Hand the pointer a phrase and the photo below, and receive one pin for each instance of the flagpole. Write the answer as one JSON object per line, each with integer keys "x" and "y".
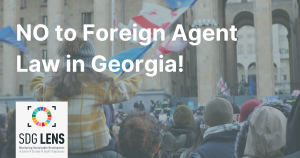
{"x": 112, "y": 25}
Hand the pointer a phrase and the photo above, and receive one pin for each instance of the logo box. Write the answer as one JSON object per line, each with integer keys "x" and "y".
{"x": 42, "y": 129}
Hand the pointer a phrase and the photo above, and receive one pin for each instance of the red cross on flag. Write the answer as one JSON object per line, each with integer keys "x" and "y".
{"x": 153, "y": 16}
{"x": 169, "y": 46}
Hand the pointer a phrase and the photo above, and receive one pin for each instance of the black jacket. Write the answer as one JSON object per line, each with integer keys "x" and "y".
{"x": 218, "y": 145}
{"x": 293, "y": 129}
{"x": 178, "y": 103}
{"x": 136, "y": 105}
{"x": 141, "y": 107}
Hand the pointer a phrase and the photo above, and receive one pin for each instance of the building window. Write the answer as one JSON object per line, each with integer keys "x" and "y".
{"x": 22, "y": 22}
{"x": 240, "y": 49}
{"x": 45, "y": 22}
{"x": 21, "y": 90}
{"x": 86, "y": 19}
{"x": 22, "y": 60}
{"x": 250, "y": 48}
{"x": 249, "y": 36}
{"x": 44, "y": 3}
{"x": 45, "y": 55}
{"x": 23, "y": 4}
{"x": 282, "y": 38}
{"x": 280, "y": 26}
{"x": 174, "y": 87}
{"x": 284, "y": 77}
{"x": 240, "y": 36}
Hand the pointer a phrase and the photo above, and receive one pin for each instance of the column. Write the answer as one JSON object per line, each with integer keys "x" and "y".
{"x": 264, "y": 55}
{"x": 9, "y": 66}
{"x": 207, "y": 54}
{"x": 293, "y": 59}
{"x": 55, "y": 18}
{"x": 152, "y": 82}
{"x": 102, "y": 19}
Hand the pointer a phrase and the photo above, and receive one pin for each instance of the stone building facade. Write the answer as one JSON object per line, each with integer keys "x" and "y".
{"x": 72, "y": 14}
{"x": 203, "y": 64}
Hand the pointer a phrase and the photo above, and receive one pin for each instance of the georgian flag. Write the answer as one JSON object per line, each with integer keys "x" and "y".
{"x": 153, "y": 16}
{"x": 220, "y": 84}
{"x": 227, "y": 92}
{"x": 169, "y": 46}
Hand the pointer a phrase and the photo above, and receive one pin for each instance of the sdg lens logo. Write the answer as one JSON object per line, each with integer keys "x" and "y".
{"x": 39, "y": 115}
{"x": 42, "y": 129}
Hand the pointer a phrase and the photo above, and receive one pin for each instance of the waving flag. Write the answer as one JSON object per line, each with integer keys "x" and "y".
{"x": 130, "y": 54}
{"x": 252, "y": 87}
{"x": 9, "y": 36}
{"x": 169, "y": 46}
{"x": 175, "y": 4}
{"x": 220, "y": 84}
{"x": 153, "y": 17}
{"x": 227, "y": 92}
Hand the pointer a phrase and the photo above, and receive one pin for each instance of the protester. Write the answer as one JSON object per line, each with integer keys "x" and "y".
{"x": 9, "y": 150}
{"x": 199, "y": 129}
{"x": 3, "y": 124}
{"x": 293, "y": 131}
{"x": 178, "y": 102}
{"x": 219, "y": 138}
{"x": 141, "y": 106}
{"x": 158, "y": 103}
{"x": 236, "y": 112}
{"x": 165, "y": 104}
{"x": 86, "y": 93}
{"x": 152, "y": 107}
{"x": 136, "y": 105}
{"x": 139, "y": 136}
{"x": 247, "y": 108}
{"x": 263, "y": 134}
{"x": 120, "y": 106}
{"x": 170, "y": 103}
{"x": 181, "y": 132}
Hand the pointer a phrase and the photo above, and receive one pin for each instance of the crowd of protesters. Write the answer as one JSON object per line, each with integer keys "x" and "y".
{"x": 219, "y": 129}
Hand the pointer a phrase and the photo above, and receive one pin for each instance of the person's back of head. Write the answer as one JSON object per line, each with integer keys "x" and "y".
{"x": 183, "y": 116}
{"x": 218, "y": 111}
{"x": 267, "y": 133}
{"x": 139, "y": 136}
{"x": 236, "y": 112}
{"x": 247, "y": 108}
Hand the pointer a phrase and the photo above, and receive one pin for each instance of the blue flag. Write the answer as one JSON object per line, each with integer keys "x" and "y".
{"x": 9, "y": 36}
{"x": 252, "y": 87}
{"x": 130, "y": 54}
{"x": 175, "y": 4}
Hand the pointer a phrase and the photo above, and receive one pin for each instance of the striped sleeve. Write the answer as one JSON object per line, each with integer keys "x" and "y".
{"x": 124, "y": 90}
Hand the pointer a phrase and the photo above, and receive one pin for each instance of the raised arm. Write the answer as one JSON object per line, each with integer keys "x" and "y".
{"x": 124, "y": 90}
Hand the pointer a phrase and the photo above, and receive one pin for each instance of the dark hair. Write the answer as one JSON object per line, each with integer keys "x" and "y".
{"x": 68, "y": 84}
{"x": 2, "y": 120}
{"x": 198, "y": 135}
{"x": 139, "y": 133}
{"x": 11, "y": 135}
